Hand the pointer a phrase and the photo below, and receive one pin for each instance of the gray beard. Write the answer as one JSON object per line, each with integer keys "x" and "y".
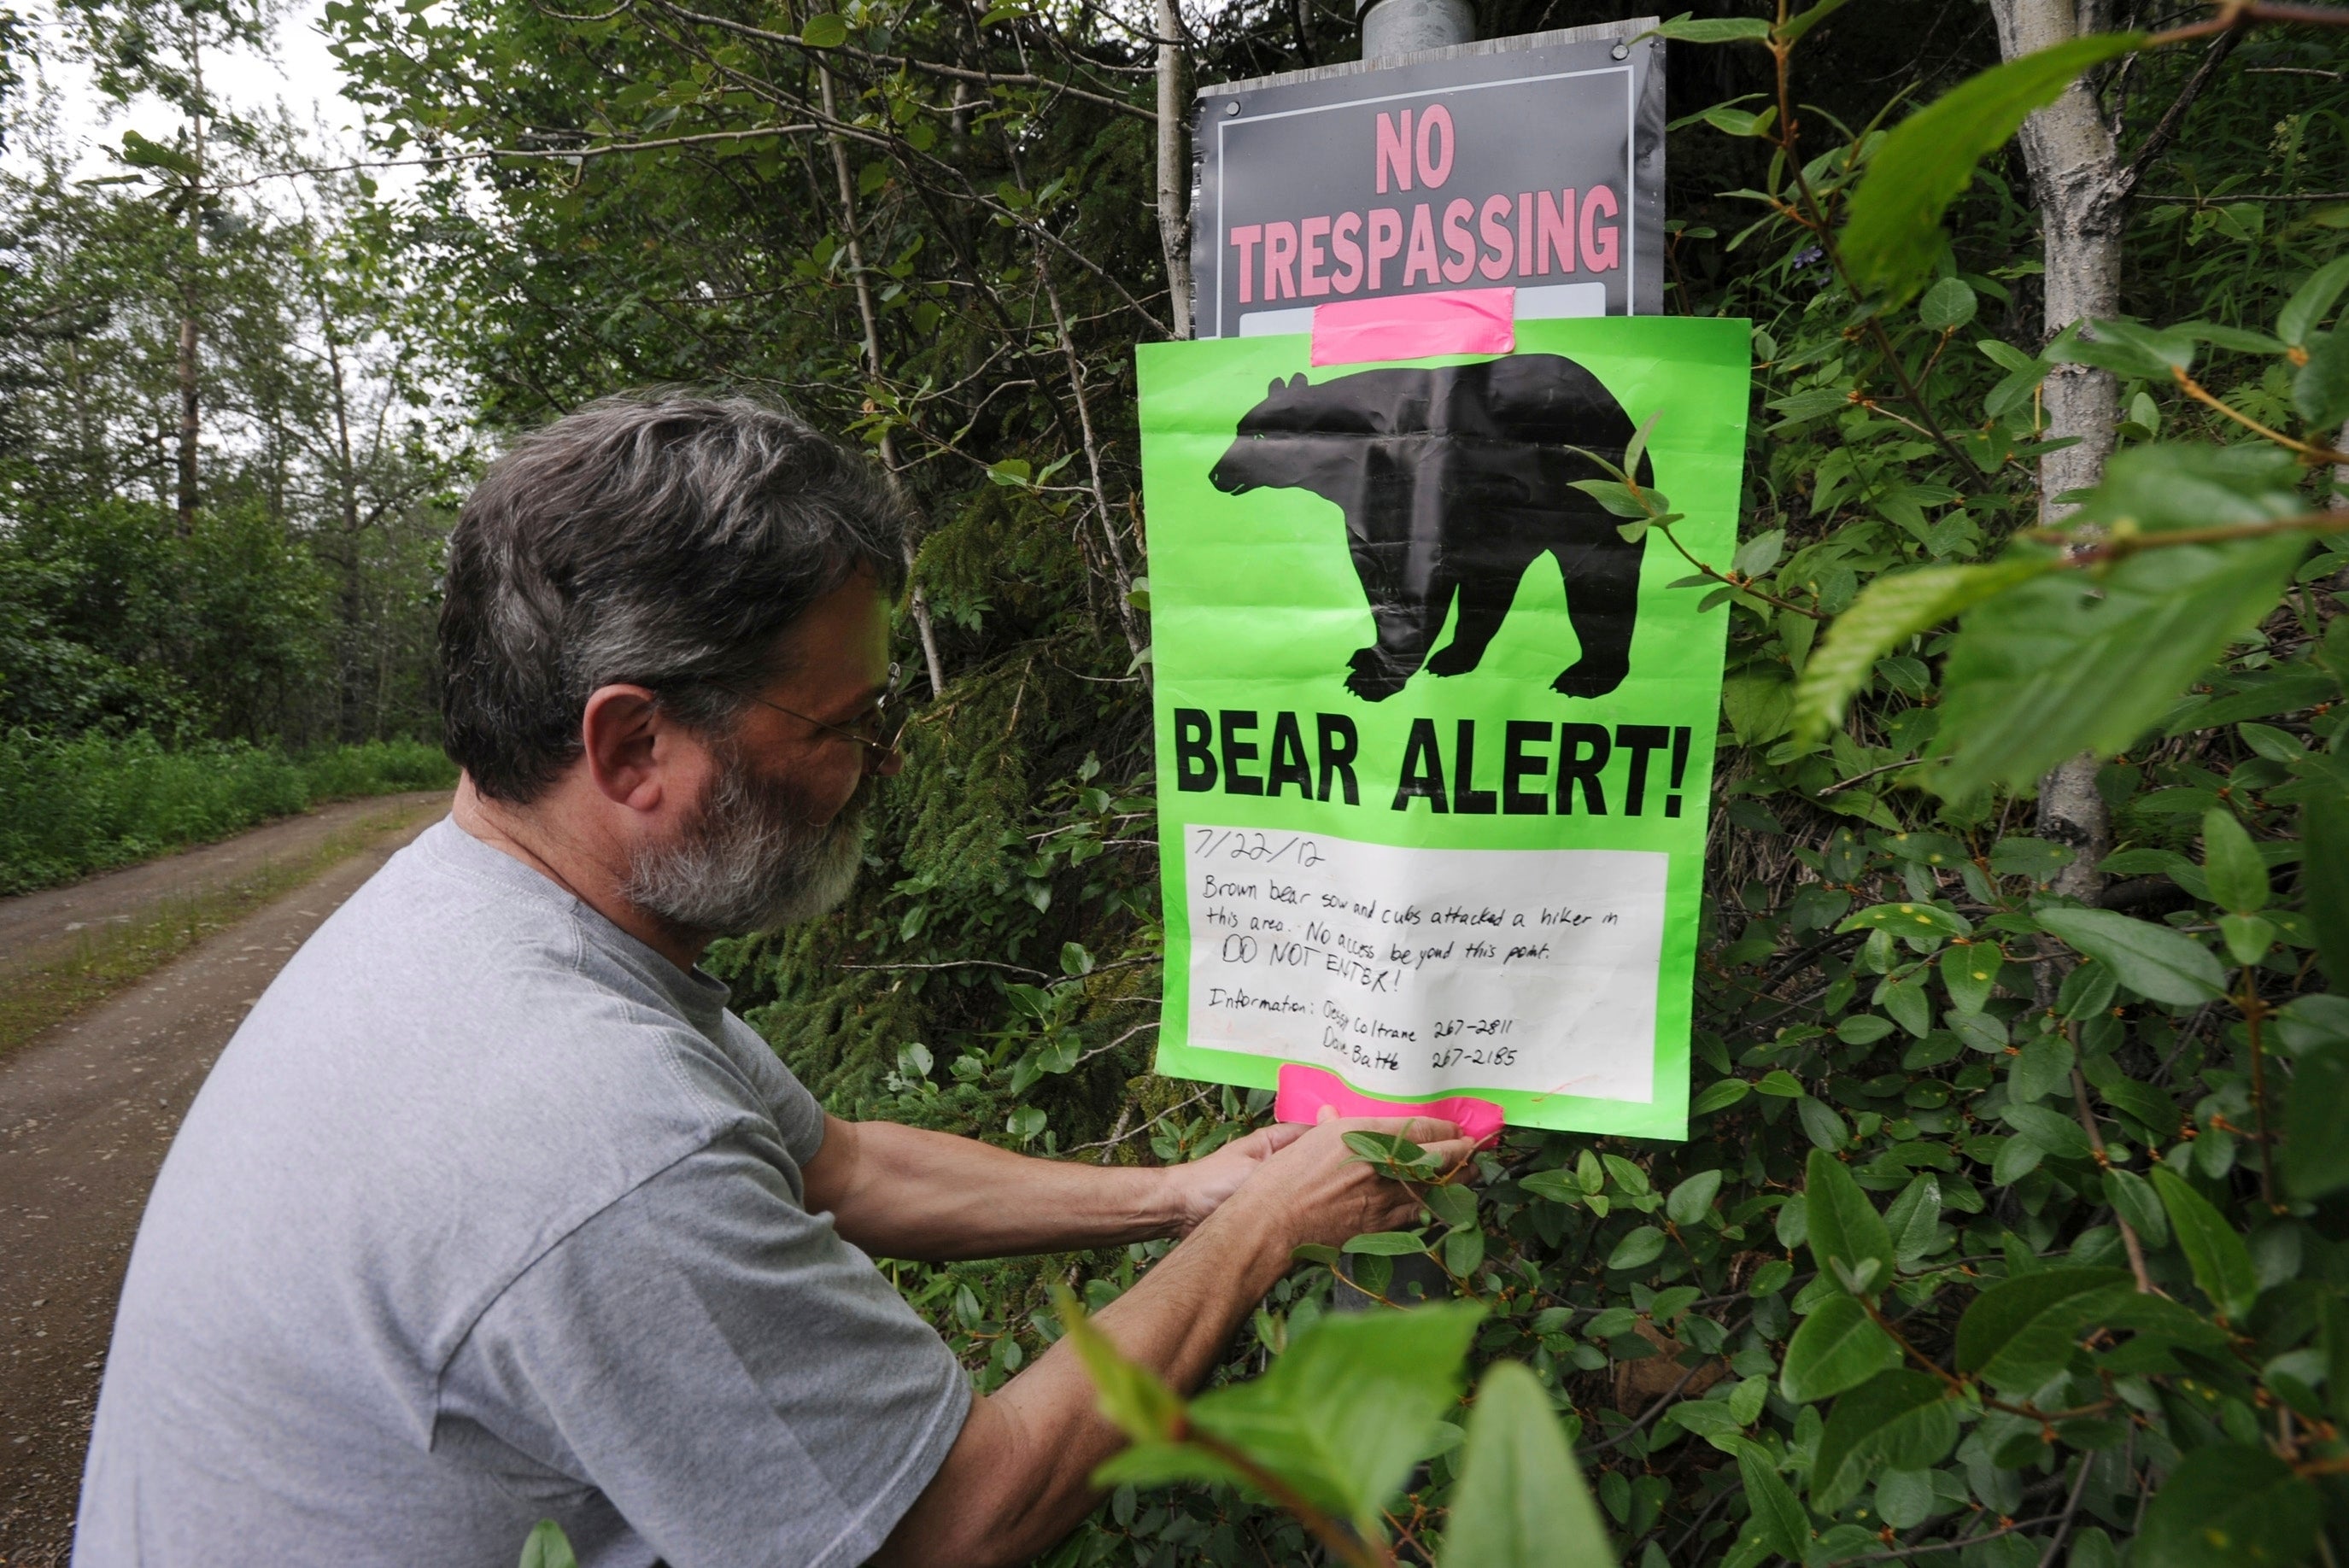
{"x": 748, "y": 859}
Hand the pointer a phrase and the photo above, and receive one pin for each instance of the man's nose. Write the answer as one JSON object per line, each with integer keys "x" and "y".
{"x": 887, "y": 763}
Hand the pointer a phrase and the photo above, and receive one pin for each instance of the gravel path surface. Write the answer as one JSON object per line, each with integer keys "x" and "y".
{"x": 36, "y": 927}
{"x": 86, "y": 1113}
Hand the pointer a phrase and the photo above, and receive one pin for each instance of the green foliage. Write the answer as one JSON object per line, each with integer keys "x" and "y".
{"x": 1522, "y": 1502}
{"x": 71, "y": 807}
{"x": 1333, "y": 1428}
{"x": 1929, "y": 159}
{"x": 547, "y": 1547}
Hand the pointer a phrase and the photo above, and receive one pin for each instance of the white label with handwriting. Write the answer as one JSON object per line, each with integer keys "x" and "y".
{"x": 1414, "y": 973}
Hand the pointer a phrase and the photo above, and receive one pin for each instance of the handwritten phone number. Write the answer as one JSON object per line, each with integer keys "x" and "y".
{"x": 1475, "y": 1056}
{"x": 1447, "y": 1027}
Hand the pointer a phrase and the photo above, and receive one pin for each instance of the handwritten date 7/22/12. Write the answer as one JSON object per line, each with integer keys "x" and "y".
{"x": 1254, "y": 848}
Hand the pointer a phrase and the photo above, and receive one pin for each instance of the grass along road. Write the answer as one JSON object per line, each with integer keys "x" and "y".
{"x": 64, "y": 950}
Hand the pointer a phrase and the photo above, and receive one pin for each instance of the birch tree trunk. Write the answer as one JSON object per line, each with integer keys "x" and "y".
{"x": 2078, "y": 181}
{"x": 1174, "y": 172}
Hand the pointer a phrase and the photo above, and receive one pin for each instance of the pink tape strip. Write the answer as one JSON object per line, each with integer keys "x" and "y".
{"x": 1413, "y": 326}
{"x": 1305, "y": 1091}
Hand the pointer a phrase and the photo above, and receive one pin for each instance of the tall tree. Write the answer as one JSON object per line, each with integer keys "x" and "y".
{"x": 160, "y": 48}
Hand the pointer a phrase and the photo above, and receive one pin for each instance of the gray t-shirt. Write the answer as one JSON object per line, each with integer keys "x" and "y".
{"x": 489, "y": 1213}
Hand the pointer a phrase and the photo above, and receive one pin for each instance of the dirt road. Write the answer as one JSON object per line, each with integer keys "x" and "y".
{"x": 86, "y": 1113}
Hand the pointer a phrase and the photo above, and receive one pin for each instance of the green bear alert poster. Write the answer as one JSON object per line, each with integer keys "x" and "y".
{"x": 1436, "y": 742}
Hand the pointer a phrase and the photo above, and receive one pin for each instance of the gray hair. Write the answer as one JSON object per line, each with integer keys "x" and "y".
{"x": 663, "y": 540}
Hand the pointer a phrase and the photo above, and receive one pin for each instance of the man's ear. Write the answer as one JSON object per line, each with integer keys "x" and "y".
{"x": 630, "y": 744}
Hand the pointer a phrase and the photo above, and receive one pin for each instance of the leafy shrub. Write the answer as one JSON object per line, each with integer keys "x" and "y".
{"x": 70, "y": 806}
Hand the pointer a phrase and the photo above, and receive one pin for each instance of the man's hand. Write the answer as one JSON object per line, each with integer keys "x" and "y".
{"x": 1313, "y": 1188}
{"x": 1201, "y": 1186}
{"x": 1017, "y": 1478}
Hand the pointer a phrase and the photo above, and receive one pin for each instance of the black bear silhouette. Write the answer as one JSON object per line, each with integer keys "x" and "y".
{"x": 1455, "y": 480}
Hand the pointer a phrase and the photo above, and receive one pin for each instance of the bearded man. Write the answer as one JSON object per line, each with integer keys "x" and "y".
{"x": 492, "y": 1213}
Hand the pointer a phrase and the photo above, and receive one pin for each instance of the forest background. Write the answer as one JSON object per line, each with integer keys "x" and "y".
{"x": 246, "y": 382}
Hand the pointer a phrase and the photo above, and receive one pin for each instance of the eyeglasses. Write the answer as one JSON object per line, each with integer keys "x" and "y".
{"x": 880, "y": 743}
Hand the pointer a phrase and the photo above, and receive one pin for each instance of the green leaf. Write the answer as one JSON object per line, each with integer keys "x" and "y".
{"x": 2152, "y": 960}
{"x": 1350, "y": 1407}
{"x": 2247, "y": 937}
{"x": 2020, "y": 1333}
{"x": 2006, "y": 357}
{"x": 1720, "y": 1097}
{"x": 1454, "y": 1205}
{"x": 1889, "y": 611}
{"x": 2052, "y": 1130}
{"x": 1619, "y": 498}
{"x": 2221, "y": 1263}
{"x": 1915, "y": 1218}
{"x": 2125, "y": 348}
{"x": 2132, "y": 1198}
{"x": 2312, "y": 301}
{"x": 2041, "y": 1067}
{"x": 1383, "y": 1148}
{"x": 1638, "y": 1250}
{"x": 825, "y": 31}
{"x": 1894, "y": 234}
{"x": 1780, "y": 1084}
{"x": 1638, "y": 445}
{"x": 2316, "y": 1124}
{"x": 1846, "y": 1229}
{"x": 2227, "y": 1505}
{"x": 1522, "y": 1500}
{"x": 1784, "y": 1529}
{"x": 1628, "y": 1176}
{"x": 1692, "y": 1199}
{"x": 2075, "y": 661}
{"x": 1899, "y": 1420}
{"x": 547, "y": 1547}
{"x": 2087, "y": 990}
{"x": 1909, "y": 920}
{"x": 1838, "y": 1347}
{"x": 1726, "y": 30}
{"x": 1811, "y": 403}
{"x": 2242, "y": 340}
{"x": 1759, "y": 553}
{"x": 1862, "y": 1029}
{"x": 2148, "y": 1107}
{"x": 1796, "y": 27}
{"x": 2013, "y": 392}
{"x": 1970, "y": 974}
{"x": 1947, "y": 305}
{"x": 1557, "y": 1186}
{"x": 2180, "y": 484}
{"x": 1385, "y": 1243}
{"x": 1823, "y": 1125}
{"x": 2320, "y": 392}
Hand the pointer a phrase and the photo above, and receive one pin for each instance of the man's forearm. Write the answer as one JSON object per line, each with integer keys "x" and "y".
{"x": 901, "y": 1191}
{"x": 1017, "y": 1480}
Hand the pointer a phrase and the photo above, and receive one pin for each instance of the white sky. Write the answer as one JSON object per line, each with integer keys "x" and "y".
{"x": 301, "y": 75}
